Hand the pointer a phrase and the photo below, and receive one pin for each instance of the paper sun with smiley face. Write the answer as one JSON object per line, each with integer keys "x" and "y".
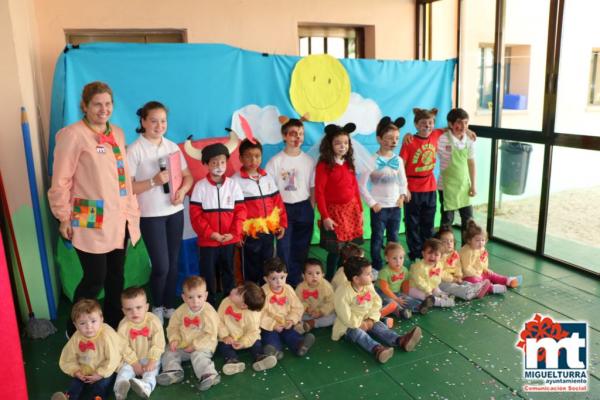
{"x": 320, "y": 86}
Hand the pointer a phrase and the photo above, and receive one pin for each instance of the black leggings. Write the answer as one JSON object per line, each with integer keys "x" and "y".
{"x": 106, "y": 270}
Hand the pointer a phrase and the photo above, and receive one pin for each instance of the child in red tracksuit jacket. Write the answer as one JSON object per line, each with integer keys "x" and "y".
{"x": 217, "y": 212}
{"x": 265, "y": 212}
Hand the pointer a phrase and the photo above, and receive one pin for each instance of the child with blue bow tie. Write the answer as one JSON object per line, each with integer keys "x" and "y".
{"x": 384, "y": 187}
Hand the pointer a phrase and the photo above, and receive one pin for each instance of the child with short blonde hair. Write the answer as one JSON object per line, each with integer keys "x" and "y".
{"x": 390, "y": 282}
{"x": 143, "y": 333}
{"x": 92, "y": 354}
{"x": 452, "y": 277}
{"x": 357, "y": 306}
{"x": 192, "y": 334}
{"x": 475, "y": 263}
{"x": 316, "y": 295}
{"x": 426, "y": 275}
{"x": 282, "y": 311}
{"x": 239, "y": 314}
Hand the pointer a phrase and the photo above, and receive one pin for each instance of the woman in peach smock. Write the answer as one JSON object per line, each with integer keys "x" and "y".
{"x": 92, "y": 197}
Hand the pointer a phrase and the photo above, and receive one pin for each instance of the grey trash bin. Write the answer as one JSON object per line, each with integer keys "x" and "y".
{"x": 514, "y": 167}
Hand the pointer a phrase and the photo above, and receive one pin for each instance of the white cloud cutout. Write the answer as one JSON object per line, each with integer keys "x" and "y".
{"x": 365, "y": 113}
{"x": 263, "y": 121}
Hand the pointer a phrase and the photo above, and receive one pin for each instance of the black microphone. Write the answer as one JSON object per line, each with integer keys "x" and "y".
{"x": 162, "y": 164}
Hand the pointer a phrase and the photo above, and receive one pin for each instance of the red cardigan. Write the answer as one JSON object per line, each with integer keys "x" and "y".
{"x": 335, "y": 185}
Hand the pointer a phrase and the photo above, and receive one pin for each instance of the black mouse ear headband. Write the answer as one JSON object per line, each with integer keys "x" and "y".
{"x": 333, "y": 129}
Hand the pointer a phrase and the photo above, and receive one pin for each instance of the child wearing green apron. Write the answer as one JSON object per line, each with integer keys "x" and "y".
{"x": 456, "y": 182}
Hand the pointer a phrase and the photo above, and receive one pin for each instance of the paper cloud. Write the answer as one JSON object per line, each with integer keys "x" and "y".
{"x": 263, "y": 121}
{"x": 365, "y": 113}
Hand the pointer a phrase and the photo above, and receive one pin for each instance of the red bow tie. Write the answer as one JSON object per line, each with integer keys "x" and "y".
{"x": 363, "y": 298}
{"x": 134, "y": 333}
{"x": 85, "y": 346}
{"x": 307, "y": 293}
{"x": 191, "y": 321}
{"x": 434, "y": 272}
{"x": 229, "y": 311}
{"x": 280, "y": 300}
{"x": 397, "y": 277}
{"x": 453, "y": 258}
{"x": 109, "y": 139}
{"x": 483, "y": 256}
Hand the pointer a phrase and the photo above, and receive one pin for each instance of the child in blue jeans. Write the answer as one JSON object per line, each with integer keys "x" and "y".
{"x": 282, "y": 311}
{"x": 388, "y": 187}
{"x": 357, "y": 308}
{"x": 390, "y": 282}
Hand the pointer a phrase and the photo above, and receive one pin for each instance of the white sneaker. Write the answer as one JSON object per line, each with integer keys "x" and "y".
{"x": 140, "y": 388}
{"x": 121, "y": 390}
{"x": 168, "y": 312}
{"x": 498, "y": 289}
{"x": 444, "y": 301}
{"x": 159, "y": 312}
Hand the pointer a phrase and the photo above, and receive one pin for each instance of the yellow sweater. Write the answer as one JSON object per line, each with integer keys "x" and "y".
{"x": 245, "y": 330}
{"x": 425, "y": 277}
{"x": 100, "y": 354}
{"x": 280, "y": 307}
{"x": 339, "y": 279}
{"x": 146, "y": 339}
{"x": 353, "y": 307}
{"x": 474, "y": 262}
{"x": 198, "y": 329}
{"x": 318, "y": 299}
{"x": 451, "y": 267}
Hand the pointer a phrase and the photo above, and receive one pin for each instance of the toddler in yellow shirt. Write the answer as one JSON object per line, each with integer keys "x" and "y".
{"x": 357, "y": 306}
{"x": 92, "y": 354}
{"x": 282, "y": 311}
{"x": 143, "y": 333}
{"x": 192, "y": 335}
{"x": 452, "y": 277}
{"x": 426, "y": 275}
{"x": 239, "y": 328}
{"x": 475, "y": 263}
{"x": 316, "y": 295}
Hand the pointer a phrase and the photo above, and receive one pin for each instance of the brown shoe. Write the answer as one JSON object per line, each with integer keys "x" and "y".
{"x": 426, "y": 305}
{"x": 382, "y": 353}
{"x": 409, "y": 341}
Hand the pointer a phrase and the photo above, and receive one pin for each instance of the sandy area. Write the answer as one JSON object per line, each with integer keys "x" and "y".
{"x": 572, "y": 214}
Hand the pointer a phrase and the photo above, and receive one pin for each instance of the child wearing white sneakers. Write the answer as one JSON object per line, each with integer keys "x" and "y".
{"x": 474, "y": 260}
{"x": 426, "y": 276}
{"x": 192, "y": 335}
{"x": 145, "y": 339}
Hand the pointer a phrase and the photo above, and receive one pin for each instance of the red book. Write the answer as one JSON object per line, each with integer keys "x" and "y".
{"x": 175, "y": 176}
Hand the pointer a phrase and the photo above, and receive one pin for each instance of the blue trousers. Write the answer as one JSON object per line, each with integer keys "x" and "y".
{"x": 419, "y": 213}
{"x": 229, "y": 353}
{"x": 379, "y": 331}
{"x": 100, "y": 388}
{"x": 217, "y": 262}
{"x": 293, "y": 247}
{"x": 162, "y": 236}
{"x": 290, "y": 337}
{"x": 387, "y": 220}
{"x": 412, "y": 304}
{"x": 256, "y": 252}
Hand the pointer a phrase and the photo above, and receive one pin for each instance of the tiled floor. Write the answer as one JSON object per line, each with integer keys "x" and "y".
{"x": 467, "y": 352}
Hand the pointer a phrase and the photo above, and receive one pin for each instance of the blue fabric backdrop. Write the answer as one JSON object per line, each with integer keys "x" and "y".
{"x": 204, "y": 84}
